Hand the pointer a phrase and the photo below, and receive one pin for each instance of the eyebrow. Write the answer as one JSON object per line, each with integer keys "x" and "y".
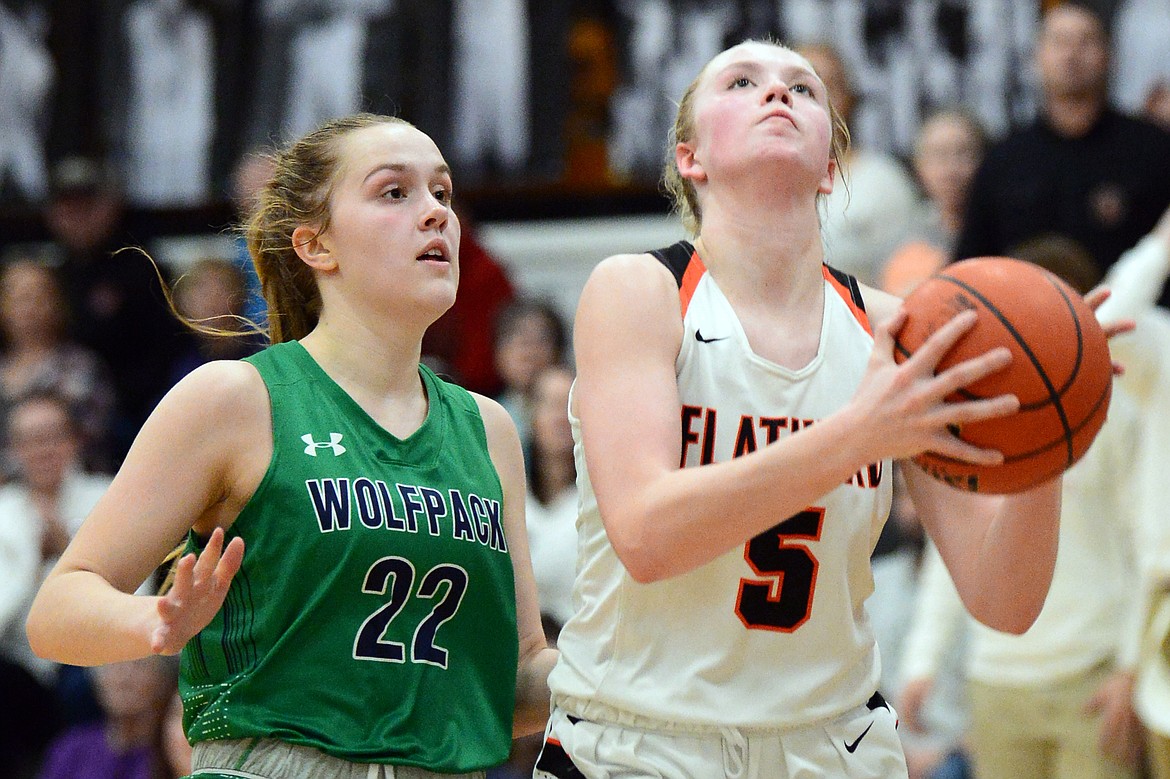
{"x": 398, "y": 167}
{"x": 755, "y": 66}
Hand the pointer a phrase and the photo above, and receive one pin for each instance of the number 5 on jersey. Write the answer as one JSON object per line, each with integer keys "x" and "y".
{"x": 783, "y": 600}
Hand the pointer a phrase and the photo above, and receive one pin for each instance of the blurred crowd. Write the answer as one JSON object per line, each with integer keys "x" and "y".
{"x": 984, "y": 127}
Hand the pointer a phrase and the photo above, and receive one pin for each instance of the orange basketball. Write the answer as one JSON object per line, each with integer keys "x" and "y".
{"x": 1060, "y": 369}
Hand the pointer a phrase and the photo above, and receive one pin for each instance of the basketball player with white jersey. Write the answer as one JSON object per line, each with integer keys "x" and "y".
{"x": 736, "y": 412}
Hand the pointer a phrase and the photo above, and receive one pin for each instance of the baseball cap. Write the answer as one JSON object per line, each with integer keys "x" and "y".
{"x": 79, "y": 175}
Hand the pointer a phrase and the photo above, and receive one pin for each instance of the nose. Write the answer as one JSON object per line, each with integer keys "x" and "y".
{"x": 436, "y": 215}
{"x": 778, "y": 90}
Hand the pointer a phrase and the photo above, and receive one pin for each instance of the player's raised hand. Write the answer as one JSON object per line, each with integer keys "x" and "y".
{"x": 201, "y": 584}
{"x": 1112, "y": 328}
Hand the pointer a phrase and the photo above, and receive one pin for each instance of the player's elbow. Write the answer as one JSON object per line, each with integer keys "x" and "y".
{"x": 641, "y": 556}
{"x": 1015, "y": 621}
{"x": 37, "y": 630}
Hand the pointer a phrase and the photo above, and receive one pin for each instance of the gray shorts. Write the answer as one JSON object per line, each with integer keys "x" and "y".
{"x": 272, "y": 759}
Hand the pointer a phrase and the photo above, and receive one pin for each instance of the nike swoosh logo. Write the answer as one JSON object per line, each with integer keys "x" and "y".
{"x": 851, "y": 748}
{"x": 699, "y": 337}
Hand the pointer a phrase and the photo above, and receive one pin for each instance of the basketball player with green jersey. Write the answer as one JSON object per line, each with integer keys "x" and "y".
{"x": 383, "y": 621}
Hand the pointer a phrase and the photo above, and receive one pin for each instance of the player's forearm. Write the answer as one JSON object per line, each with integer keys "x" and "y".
{"x": 1136, "y": 280}
{"x": 78, "y": 618}
{"x": 532, "y": 692}
{"x": 682, "y": 519}
{"x": 1016, "y": 560}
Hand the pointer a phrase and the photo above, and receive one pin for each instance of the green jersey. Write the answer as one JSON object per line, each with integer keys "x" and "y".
{"x": 374, "y": 616}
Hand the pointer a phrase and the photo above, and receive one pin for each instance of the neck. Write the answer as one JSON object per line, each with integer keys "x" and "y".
{"x": 361, "y": 358}
{"x": 1073, "y": 116}
{"x": 766, "y": 249}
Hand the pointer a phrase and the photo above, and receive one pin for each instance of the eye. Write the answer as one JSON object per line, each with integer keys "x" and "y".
{"x": 803, "y": 89}
{"x": 443, "y": 194}
{"x": 742, "y": 81}
{"x": 394, "y": 192}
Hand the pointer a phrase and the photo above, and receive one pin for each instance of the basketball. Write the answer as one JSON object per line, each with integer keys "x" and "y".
{"x": 1060, "y": 369}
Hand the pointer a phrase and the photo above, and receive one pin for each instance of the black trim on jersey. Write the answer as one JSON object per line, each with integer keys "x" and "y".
{"x": 877, "y": 702}
{"x": 555, "y": 761}
{"x": 849, "y": 283}
{"x": 676, "y": 258}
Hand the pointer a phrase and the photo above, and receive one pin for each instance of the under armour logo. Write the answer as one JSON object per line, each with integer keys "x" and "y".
{"x": 334, "y": 443}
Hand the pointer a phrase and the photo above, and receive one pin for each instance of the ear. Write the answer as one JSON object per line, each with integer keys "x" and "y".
{"x": 826, "y": 185}
{"x": 688, "y": 164}
{"x": 309, "y": 244}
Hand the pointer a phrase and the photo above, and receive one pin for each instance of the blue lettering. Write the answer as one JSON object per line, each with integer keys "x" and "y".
{"x": 479, "y": 513}
{"x": 435, "y": 507}
{"x": 365, "y": 494}
{"x": 497, "y": 537}
{"x": 393, "y": 521}
{"x": 330, "y": 503}
{"x": 460, "y": 521}
{"x": 411, "y": 505}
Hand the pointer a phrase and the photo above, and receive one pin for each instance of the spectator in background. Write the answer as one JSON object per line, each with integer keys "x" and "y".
{"x": 37, "y": 356}
{"x": 249, "y": 176}
{"x": 39, "y": 512}
{"x": 529, "y": 337}
{"x": 462, "y": 342}
{"x": 134, "y": 696}
{"x": 948, "y": 150}
{"x": 1082, "y": 169}
{"x": 552, "y": 493}
{"x": 865, "y": 215}
{"x": 1134, "y": 280}
{"x": 117, "y": 303}
{"x": 212, "y": 294}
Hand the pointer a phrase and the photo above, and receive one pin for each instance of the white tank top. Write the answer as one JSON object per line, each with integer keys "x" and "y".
{"x": 770, "y": 635}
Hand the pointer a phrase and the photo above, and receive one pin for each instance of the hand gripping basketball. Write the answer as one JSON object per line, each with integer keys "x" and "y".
{"x": 1060, "y": 369}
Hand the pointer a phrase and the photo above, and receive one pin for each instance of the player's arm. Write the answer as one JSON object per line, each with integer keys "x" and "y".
{"x": 536, "y": 658}
{"x": 664, "y": 521}
{"x": 1000, "y": 550}
{"x": 194, "y": 464}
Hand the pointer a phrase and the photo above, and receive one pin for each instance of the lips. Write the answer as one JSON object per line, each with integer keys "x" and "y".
{"x": 779, "y": 115}
{"x": 435, "y": 251}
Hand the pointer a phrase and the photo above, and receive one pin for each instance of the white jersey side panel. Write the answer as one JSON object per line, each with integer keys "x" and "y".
{"x": 770, "y": 635}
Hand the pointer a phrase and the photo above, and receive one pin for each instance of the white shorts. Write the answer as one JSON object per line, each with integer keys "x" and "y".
{"x": 860, "y": 744}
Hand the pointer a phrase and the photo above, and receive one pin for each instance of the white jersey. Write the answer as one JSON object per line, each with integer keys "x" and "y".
{"x": 770, "y": 635}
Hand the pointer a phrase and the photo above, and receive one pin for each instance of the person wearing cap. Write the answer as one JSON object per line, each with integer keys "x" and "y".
{"x": 115, "y": 298}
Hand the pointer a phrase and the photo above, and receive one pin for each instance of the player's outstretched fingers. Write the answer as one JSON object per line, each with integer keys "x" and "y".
{"x": 970, "y": 371}
{"x": 229, "y": 564}
{"x": 942, "y": 340}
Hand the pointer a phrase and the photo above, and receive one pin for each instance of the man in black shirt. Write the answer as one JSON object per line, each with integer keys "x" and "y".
{"x": 1082, "y": 170}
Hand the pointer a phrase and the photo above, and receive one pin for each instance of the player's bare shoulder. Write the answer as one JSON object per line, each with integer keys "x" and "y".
{"x": 628, "y": 294}
{"x": 222, "y": 391}
{"x": 880, "y": 306}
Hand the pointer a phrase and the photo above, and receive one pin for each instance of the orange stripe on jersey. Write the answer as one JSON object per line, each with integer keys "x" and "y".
{"x": 858, "y": 313}
{"x": 690, "y": 280}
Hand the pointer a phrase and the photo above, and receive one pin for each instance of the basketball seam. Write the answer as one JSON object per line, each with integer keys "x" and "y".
{"x": 1054, "y": 397}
